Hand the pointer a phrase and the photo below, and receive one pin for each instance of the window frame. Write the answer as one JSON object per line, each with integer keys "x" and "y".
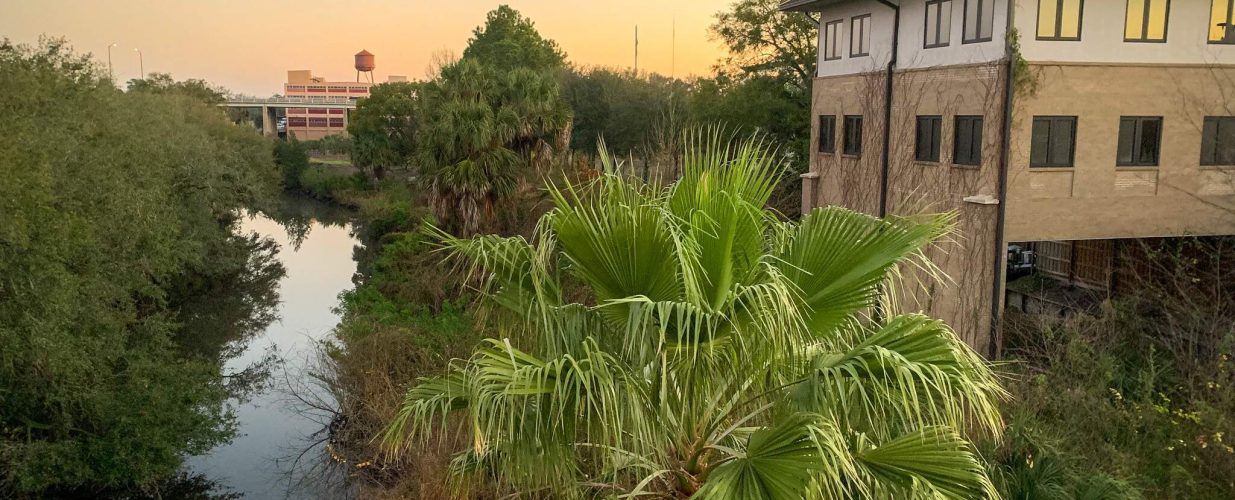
{"x": 965, "y": 22}
{"x": 1080, "y": 22}
{"x": 1071, "y": 163}
{"x": 1166, "y": 23}
{"x": 936, "y": 124}
{"x": 828, "y": 147}
{"x": 1136, "y": 141}
{"x": 865, "y": 35}
{"x": 845, "y": 149}
{"x": 1218, "y": 122}
{"x": 1230, "y": 20}
{"x": 827, "y": 40}
{"x": 938, "y": 24}
{"x": 956, "y": 157}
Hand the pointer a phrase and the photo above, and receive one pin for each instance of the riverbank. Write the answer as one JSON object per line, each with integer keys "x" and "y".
{"x": 407, "y": 316}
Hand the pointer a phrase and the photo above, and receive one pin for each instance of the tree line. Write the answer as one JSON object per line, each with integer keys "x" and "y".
{"x": 118, "y": 208}
{"x": 513, "y": 102}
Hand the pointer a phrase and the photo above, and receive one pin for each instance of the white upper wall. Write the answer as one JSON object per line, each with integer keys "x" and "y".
{"x": 913, "y": 51}
{"x": 880, "y": 38}
{"x": 914, "y": 54}
{"x": 1102, "y": 36}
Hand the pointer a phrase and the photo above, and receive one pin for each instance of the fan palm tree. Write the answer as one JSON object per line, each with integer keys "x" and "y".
{"x": 479, "y": 128}
{"x": 681, "y": 340}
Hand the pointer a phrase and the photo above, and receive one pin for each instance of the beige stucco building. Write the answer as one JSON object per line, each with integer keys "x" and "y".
{"x": 314, "y": 122}
{"x": 1032, "y": 120}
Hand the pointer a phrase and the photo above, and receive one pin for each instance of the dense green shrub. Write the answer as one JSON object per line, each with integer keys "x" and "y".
{"x": 109, "y": 200}
{"x": 1114, "y": 409}
{"x": 331, "y": 145}
{"x": 292, "y": 160}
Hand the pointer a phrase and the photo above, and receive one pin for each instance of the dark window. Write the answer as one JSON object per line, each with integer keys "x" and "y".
{"x": 1218, "y": 141}
{"x": 853, "y": 135}
{"x": 968, "y": 150}
{"x": 296, "y": 122}
{"x": 860, "y": 36}
{"x": 1054, "y": 141}
{"x": 831, "y": 40}
{"x": 1060, "y": 19}
{"x": 979, "y": 20}
{"x": 926, "y": 145}
{"x": 1140, "y": 139}
{"x": 317, "y": 122}
{"x": 1146, "y": 20}
{"x": 938, "y": 23}
{"x": 336, "y": 122}
{"x": 827, "y": 134}
{"x": 1222, "y": 22}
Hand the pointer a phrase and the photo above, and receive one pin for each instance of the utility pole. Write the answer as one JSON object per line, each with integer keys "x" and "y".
{"x": 141, "y": 63}
{"x": 636, "y": 51}
{"x": 673, "y": 50}
{"x": 110, "y": 73}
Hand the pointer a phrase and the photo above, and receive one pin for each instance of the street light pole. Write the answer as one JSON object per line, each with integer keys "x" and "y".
{"x": 141, "y": 63}
{"x": 110, "y": 73}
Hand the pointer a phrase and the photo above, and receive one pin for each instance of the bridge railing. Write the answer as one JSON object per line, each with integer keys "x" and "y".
{"x": 290, "y": 100}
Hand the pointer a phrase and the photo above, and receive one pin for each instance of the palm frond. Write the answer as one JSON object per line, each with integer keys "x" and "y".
{"x": 839, "y": 259}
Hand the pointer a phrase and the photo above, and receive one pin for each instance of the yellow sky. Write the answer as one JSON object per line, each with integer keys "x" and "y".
{"x": 247, "y": 46}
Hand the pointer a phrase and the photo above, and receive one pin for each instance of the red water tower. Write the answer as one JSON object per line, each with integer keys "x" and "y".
{"x": 365, "y": 63}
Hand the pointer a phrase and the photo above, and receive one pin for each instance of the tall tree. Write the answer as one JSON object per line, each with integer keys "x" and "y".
{"x": 481, "y": 128}
{"x": 679, "y": 340}
{"x": 508, "y": 40}
{"x": 762, "y": 40}
{"x": 384, "y": 126}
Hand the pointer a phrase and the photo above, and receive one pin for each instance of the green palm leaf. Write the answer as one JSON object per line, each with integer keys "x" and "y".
{"x": 934, "y": 462}
{"x": 778, "y": 463}
{"x": 839, "y": 259}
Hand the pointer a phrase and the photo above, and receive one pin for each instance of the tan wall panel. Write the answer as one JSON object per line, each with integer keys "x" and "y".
{"x": 847, "y": 181}
{"x": 1106, "y": 201}
{"x": 968, "y": 258}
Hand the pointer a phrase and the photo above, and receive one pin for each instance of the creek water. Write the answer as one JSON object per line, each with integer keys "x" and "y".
{"x": 282, "y": 423}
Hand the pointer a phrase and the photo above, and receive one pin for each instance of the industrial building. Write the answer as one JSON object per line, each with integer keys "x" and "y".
{"x": 1065, "y": 127}
{"x": 310, "y": 122}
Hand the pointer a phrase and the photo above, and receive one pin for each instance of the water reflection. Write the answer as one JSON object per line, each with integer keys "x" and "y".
{"x": 264, "y": 327}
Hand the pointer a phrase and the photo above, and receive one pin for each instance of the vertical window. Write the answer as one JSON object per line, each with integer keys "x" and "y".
{"x": 967, "y": 148}
{"x": 926, "y": 146}
{"x": 1222, "y": 22}
{"x": 938, "y": 23}
{"x": 979, "y": 20}
{"x": 1053, "y": 141}
{"x": 1146, "y": 20}
{"x": 1218, "y": 141}
{"x": 860, "y": 36}
{"x": 1140, "y": 141}
{"x": 827, "y": 134}
{"x": 853, "y": 135}
{"x": 831, "y": 40}
{"x": 1060, "y": 19}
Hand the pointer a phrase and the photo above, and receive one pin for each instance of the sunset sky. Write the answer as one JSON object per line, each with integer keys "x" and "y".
{"x": 247, "y": 46}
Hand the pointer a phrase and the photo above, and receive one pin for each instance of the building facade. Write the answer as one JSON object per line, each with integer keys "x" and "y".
{"x": 1031, "y": 120}
{"x": 309, "y": 122}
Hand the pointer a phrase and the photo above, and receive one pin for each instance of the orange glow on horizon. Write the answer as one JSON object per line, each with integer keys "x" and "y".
{"x": 248, "y": 47}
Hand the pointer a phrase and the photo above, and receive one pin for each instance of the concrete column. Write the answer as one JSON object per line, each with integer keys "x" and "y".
{"x": 268, "y": 125}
